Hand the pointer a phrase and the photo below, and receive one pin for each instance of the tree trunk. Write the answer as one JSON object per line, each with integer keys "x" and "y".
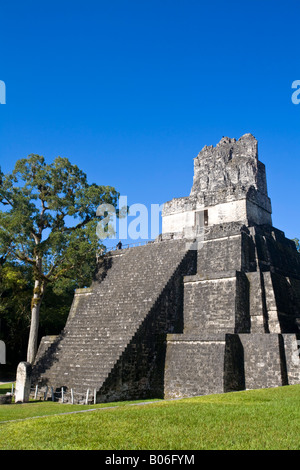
{"x": 34, "y": 325}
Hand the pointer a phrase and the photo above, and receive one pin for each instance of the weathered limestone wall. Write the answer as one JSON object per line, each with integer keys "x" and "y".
{"x": 203, "y": 310}
{"x": 241, "y": 315}
{"x": 194, "y": 365}
{"x": 262, "y": 361}
{"x": 227, "y": 171}
{"x": 201, "y": 365}
{"x": 229, "y": 185}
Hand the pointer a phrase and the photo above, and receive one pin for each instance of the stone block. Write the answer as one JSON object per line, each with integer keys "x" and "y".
{"x": 194, "y": 366}
{"x": 262, "y": 361}
{"x": 23, "y": 382}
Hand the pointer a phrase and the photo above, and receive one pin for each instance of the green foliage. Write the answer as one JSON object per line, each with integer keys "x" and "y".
{"x": 296, "y": 240}
{"x": 49, "y": 214}
{"x": 15, "y": 297}
{"x": 16, "y": 288}
{"x": 47, "y": 239}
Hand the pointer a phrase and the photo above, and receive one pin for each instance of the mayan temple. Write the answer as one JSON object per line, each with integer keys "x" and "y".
{"x": 212, "y": 305}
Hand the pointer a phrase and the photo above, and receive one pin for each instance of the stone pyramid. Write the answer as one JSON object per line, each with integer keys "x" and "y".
{"x": 213, "y": 305}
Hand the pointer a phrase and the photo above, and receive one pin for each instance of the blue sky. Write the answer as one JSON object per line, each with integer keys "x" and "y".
{"x": 131, "y": 91}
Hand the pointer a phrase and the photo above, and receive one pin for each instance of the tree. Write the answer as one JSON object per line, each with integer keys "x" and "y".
{"x": 296, "y": 240}
{"x": 16, "y": 285}
{"x": 49, "y": 222}
{"x": 15, "y": 296}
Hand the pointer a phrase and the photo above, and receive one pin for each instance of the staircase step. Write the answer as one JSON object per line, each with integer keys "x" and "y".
{"x": 104, "y": 319}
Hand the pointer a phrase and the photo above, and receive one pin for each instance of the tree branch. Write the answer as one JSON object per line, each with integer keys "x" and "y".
{"x": 80, "y": 225}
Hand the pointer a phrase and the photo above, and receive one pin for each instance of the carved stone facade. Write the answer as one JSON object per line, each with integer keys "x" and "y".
{"x": 229, "y": 186}
{"x": 168, "y": 320}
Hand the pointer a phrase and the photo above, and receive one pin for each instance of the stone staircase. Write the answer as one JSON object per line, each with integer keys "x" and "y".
{"x": 105, "y": 318}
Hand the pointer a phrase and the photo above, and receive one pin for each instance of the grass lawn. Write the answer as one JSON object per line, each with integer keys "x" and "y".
{"x": 256, "y": 419}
